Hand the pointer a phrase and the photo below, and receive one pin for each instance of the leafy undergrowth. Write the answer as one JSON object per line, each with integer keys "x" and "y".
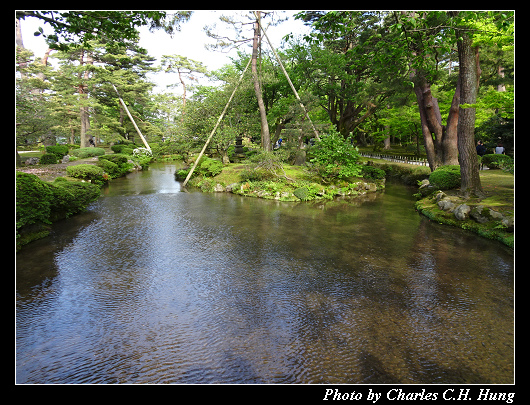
{"x": 294, "y": 184}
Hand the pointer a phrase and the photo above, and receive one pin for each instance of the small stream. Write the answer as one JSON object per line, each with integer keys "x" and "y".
{"x": 155, "y": 285}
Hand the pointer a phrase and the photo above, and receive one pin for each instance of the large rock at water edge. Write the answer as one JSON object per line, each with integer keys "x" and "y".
{"x": 462, "y": 212}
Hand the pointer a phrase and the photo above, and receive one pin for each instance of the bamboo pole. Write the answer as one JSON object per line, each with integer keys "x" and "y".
{"x": 132, "y": 120}
{"x": 288, "y": 79}
{"x": 216, "y": 125}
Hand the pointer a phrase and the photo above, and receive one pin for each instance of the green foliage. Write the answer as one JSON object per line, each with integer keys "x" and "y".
{"x": 335, "y": 158}
{"x": 115, "y": 165}
{"x": 116, "y": 26}
{"x": 497, "y": 161}
{"x": 111, "y": 168}
{"x": 142, "y": 157}
{"x": 71, "y": 197}
{"x": 39, "y": 202}
{"x": 83, "y": 153}
{"x": 88, "y": 172}
{"x": 207, "y": 167}
{"x": 58, "y": 150}
{"x": 446, "y": 177}
{"x": 118, "y": 158}
{"x": 371, "y": 172}
{"x": 33, "y": 200}
{"x": 122, "y": 148}
{"x": 48, "y": 159}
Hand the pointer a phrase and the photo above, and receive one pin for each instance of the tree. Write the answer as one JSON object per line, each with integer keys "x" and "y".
{"x": 84, "y": 26}
{"x": 239, "y": 38}
{"x": 184, "y": 67}
{"x": 342, "y": 65}
{"x": 469, "y": 77}
{"x": 256, "y": 43}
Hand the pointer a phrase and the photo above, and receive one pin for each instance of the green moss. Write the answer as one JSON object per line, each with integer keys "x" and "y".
{"x": 491, "y": 230}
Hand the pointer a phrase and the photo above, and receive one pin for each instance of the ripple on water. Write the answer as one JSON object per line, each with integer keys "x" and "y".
{"x": 167, "y": 287}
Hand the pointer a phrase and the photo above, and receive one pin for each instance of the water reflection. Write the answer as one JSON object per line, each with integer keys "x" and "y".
{"x": 202, "y": 288}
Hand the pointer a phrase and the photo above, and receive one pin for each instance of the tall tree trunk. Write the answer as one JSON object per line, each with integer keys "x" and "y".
{"x": 450, "y": 140}
{"x": 433, "y": 159}
{"x": 469, "y": 76}
{"x": 265, "y": 135}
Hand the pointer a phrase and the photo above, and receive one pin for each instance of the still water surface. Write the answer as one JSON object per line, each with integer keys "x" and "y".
{"x": 154, "y": 285}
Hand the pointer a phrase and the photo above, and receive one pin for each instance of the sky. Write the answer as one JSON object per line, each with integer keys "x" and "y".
{"x": 188, "y": 42}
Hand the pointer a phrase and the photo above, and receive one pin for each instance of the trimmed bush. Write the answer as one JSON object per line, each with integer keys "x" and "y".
{"x": 58, "y": 150}
{"x": 38, "y": 203}
{"x": 118, "y": 158}
{"x": 446, "y": 177}
{"x": 88, "y": 172}
{"x": 496, "y": 161}
{"x": 112, "y": 169}
{"x": 115, "y": 165}
{"x": 48, "y": 159}
{"x": 83, "y": 153}
{"x": 33, "y": 200}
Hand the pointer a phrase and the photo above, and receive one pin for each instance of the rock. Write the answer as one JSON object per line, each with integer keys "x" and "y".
{"x": 479, "y": 214}
{"x": 66, "y": 159}
{"x": 32, "y": 161}
{"x": 440, "y": 195}
{"x": 231, "y": 187}
{"x": 462, "y": 212}
{"x": 218, "y": 188}
{"x": 425, "y": 183}
{"x": 300, "y": 158}
{"x": 508, "y": 223}
{"x": 446, "y": 205}
{"x": 370, "y": 187}
{"x": 496, "y": 215}
{"x": 263, "y": 193}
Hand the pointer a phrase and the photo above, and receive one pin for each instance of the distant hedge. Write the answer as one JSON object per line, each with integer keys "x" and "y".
{"x": 83, "y": 153}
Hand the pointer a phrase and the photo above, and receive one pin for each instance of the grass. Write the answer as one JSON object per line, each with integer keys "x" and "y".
{"x": 297, "y": 184}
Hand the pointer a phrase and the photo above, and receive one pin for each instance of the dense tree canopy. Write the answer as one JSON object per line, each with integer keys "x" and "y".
{"x": 378, "y": 78}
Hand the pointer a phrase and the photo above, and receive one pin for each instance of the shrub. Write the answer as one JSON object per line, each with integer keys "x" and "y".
{"x": 83, "y": 153}
{"x": 117, "y": 158}
{"x": 48, "y": 159}
{"x": 371, "y": 172}
{"x": 88, "y": 172}
{"x": 33, "y": 200}
{"x": 334, "y": 157}
{"x": 446, "y": 177}
{"x": 116, "y": 164}
{"x": 39, "y": 203}
{"x": 111, "y": 168}
{"x": 495, "y": 161}
{"x": 71, "y": 197}
{"x": 180, "y": 175}
{"x": 209, "y": 167}
{"x": 58, "y": 150}
{"x": 142, "y": 157}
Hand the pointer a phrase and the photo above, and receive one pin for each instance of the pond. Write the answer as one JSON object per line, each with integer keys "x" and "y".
{"x": 156, "y": 285}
